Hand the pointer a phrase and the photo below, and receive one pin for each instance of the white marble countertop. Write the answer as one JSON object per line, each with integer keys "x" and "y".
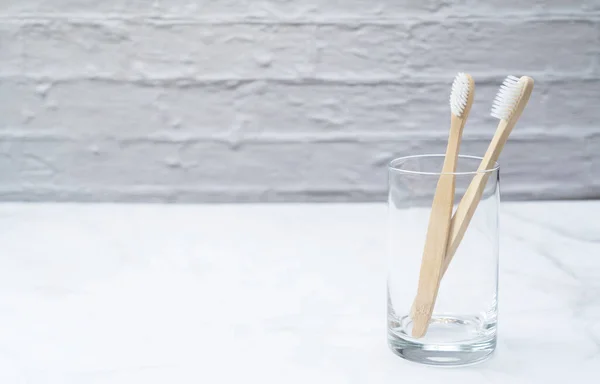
{"x": 271, "y": 294}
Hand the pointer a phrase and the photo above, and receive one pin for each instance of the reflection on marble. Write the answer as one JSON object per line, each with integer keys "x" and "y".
{"x": 279, "y": 293}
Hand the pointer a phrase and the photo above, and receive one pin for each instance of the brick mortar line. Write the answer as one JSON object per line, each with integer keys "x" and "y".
{"x": 414, "y": 78}
{"x": 224, "y": 19}
{"x": 149, "y": 187}
{"x": 309, "y": 137}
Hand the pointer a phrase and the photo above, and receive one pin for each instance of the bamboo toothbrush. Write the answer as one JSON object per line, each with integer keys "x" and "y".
{"x": 510, "y": 101}
{"x": 436, "y": 241}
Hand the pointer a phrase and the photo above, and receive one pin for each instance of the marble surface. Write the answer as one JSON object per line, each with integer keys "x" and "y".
{"x": 272, "y": 294}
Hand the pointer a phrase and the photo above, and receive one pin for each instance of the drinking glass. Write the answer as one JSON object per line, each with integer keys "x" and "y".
{"x": 462, "y": 329}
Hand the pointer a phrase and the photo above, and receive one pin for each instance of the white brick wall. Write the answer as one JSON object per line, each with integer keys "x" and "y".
{"x": 223, "y": 100}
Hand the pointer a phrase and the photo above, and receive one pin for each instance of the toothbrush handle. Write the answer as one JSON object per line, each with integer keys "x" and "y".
{"x": 470, "y": 200}
{"x": 438, "y": 231}
{"x": 463, "y": 215}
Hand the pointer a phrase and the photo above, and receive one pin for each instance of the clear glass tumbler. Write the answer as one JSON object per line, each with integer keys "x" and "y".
{"x": 463, "y": 326}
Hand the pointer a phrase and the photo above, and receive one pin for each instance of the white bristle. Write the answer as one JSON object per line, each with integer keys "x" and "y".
{"x": 506, "y": 98}
{"x": 459, "y": 94}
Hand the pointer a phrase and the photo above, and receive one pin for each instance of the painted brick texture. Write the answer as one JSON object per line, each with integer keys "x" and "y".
{"x": 231, "y": 101}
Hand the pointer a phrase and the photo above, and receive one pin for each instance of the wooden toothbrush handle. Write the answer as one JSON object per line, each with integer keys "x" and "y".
{"x": 438, "y": 230}
{"x": 463, "y": 215}
{"x": 470, "y": 200}
{"x": 436, "y": 243}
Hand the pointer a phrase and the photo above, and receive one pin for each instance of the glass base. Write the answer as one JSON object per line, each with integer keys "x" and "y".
{"x": 450, "y": 341}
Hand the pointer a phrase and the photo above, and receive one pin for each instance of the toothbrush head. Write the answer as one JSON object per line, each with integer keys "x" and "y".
{"x": 462, "y": 89}
{"x": 507, "y": 98}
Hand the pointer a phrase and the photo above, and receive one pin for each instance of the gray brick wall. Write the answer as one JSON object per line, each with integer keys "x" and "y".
{"x": 280, "y": 100}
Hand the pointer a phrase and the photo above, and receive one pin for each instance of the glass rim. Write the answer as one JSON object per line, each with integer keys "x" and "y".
{"x": 392, "y": 167}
